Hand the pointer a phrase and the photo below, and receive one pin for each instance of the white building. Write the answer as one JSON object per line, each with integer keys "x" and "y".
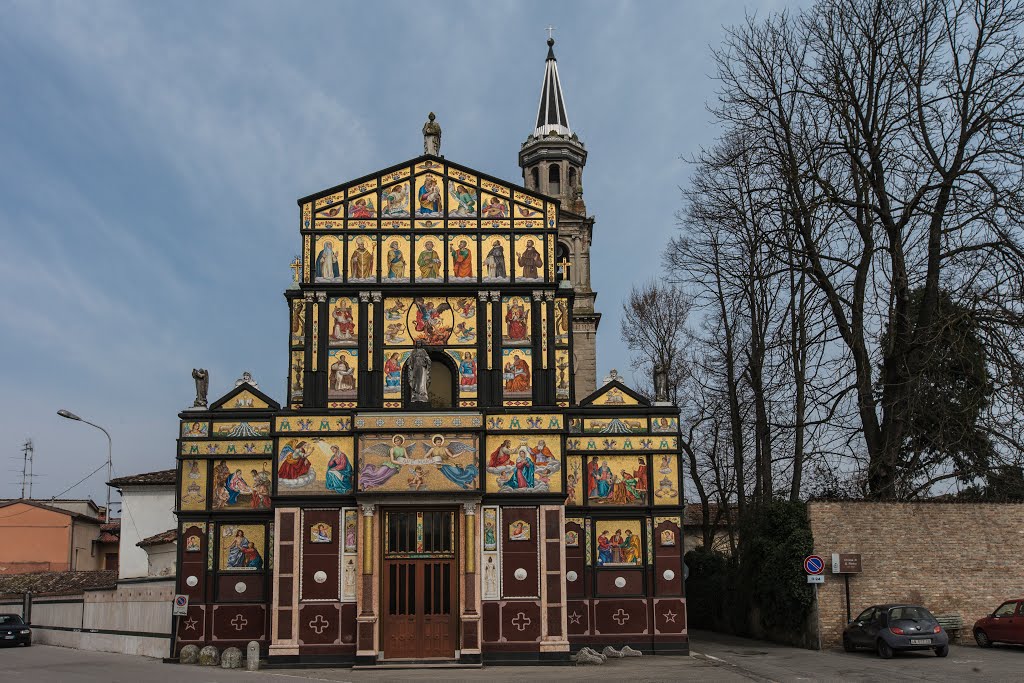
{"x": 147, "y": 513}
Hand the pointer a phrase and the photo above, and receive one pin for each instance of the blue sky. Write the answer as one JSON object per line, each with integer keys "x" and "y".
{"x": 153, "y": 152}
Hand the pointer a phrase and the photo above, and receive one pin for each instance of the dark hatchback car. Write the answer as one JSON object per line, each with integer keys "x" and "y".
{"x": 888, "y": 628}
{"x": 14, "y": 631}
{"x": 1004, "y": 625}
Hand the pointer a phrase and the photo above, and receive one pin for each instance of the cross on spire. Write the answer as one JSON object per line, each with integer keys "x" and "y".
{"x": 550, "y": 29}
{"x": 296, "y": 267}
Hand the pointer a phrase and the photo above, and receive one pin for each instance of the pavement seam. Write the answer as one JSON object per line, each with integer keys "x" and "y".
{"x": 746, "y": 673}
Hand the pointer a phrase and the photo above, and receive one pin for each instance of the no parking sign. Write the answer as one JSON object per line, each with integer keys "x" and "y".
{"x": 180, "y": 608}
{"x": 814, "y": 564}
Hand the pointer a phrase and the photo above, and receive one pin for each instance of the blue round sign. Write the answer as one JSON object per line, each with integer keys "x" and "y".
{"x": 813, "y": 564}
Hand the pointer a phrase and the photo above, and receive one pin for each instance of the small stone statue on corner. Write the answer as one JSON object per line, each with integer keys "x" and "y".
{"x": 202, "y": 378}
{"x": 431, "y": 136}
{"x": 661, "y": 382}
{"x": 419, "y": 375}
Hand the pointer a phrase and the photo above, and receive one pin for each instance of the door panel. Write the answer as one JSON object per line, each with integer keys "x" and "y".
{"x": 419, "y": 585}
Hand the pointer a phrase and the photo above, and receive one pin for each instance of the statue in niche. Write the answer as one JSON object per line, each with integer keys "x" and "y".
{"x": 419, "y": 375}
{"x": 202, "y": 378}
{"x": 431, "y": 136}
{"x": 661, "y": 382}
{"x": 349, "y": 585}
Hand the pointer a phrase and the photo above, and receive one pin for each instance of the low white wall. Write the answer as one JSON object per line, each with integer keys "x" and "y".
{"x": 132, "y": 619}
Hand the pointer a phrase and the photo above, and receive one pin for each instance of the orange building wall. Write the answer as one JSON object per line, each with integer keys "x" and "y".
{"x": 32, "y": 539}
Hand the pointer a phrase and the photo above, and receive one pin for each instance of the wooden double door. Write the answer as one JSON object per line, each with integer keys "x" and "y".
{"x": 420, "y": 591}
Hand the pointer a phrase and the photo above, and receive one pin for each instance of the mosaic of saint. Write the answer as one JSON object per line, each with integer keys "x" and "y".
{"x": 315, "y": 466}
{"x": 517, "y": 373}
{"x": 516, "y": 321}
{"x": 617, "y": 480}
{"x": 429, "y": 265}
{"x": 341, "y": 377}
{"x": 461, "y": 257}
{"x": 418, "y": 462}
{"x": 396, "y": 259}
{"x": 529, "y": 465}
{"x": 242, "y": 547}
{"x": 343, "y": 312}
{"x": 619, "y": 542}
{"x": 495, "y": 264}
{"x": 362, "y": 259}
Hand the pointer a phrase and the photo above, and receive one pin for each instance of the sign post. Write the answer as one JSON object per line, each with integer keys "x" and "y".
{"x": 180, "y": 608}
{"x": 815, "y": 566}
{"x": 846, "y": 564}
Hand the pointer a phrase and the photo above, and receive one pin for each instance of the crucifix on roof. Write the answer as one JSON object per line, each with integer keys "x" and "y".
{"x": 550, "y": 29}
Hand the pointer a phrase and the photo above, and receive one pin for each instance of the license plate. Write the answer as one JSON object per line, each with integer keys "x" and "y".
{"x": 9, "y": 637}
{"x": 920, "y": 641}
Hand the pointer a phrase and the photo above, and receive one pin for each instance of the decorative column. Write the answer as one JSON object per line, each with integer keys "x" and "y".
{"x": 366, "y": 622}
{"x": 554, "y": 626}
{"x": 470, "y": 602}
{"x": 284, "y": 625}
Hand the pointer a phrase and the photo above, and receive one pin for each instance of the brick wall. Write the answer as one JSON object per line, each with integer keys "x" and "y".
{"x": 954, "y": 558}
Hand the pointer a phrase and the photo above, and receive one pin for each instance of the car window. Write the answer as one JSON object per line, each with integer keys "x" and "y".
{"x": 1005, "y": 610}
{"x": 916, "y": 613}
{"x": 866, "y": 615}
{"x": 6, "y": 619}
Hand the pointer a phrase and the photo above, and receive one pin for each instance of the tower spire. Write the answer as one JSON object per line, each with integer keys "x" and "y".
{"x": 551, "y": 114}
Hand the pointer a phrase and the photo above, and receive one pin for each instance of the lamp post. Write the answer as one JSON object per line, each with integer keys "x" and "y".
{"x": 110, "y": 452}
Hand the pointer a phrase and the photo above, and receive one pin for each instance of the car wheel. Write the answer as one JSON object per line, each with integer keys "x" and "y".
{"x": 942, "y": 650}
{"x": 884, "y": 649}
{"x": 848, "y": 644}
{"x": 982, "y": 638}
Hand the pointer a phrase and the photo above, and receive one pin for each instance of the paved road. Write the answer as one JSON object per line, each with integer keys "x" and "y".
{"x": 762, "y": 661}
{"x": 45, "y": 664}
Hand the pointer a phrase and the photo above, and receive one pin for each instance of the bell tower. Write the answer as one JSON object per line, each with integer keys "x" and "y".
{"x": 552, "y": 159}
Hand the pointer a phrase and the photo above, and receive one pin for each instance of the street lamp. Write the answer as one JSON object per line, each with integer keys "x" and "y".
{"x": 110, "y": 451}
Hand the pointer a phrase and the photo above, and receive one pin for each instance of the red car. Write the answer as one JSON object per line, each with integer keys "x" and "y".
{"x": 1005, "y": 625}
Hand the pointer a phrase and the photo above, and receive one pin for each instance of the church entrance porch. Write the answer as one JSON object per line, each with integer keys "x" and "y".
{"x": 419, "y": 590}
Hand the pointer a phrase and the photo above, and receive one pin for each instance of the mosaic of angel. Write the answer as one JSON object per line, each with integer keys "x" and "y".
{"x": 466, "y": 198}
{"x": 429, "y": 322}
{"x": 395, "y": 201}
{"x": 362, "y": 208}
{"x": 399, "y": 455}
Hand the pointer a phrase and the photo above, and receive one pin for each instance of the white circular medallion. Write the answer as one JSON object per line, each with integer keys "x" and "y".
{"x": 669, "y": 574}
{"x": 620, "y": 582}
{"x": 520, "y": 574}
{"x": 571, "y": 576}
{"x": 240, "y": 587}
{"x": 192, "y": 581}
{"x": 320, "y": 576}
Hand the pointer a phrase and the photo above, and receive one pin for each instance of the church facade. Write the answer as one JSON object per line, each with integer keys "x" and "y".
{"x": 443, "y": 481}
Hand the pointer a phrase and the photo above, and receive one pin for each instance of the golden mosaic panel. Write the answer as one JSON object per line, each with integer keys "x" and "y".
{"x": 298, "y": 362}
{"x": 419, "y": 421}
{"x": 429, "y": 165}
{"x": 575, "y": 482}
{"x": 463, "y": 200}
{"x": 562, "y": 374}
{"x": 665, "y": 425}
{"x": 515, "y": 321}
{"x": 562, "y": 319}
{"x": 666, "y": 479}
{"x": 315, "y": 466}
{"x": 329, "y": 200}
{"x": 493, "y": 207}
{"x": 527, "y": 422}
{"x": 528, "y": 212}
{"x": 394, "y": 361}
{"x": 619, "y": 542}
{"x": 494, "y": 188}
{"x": 429, "y": 253}
{"x": 463, "y": 258}
{"x": 529, "y": 258}
{"x": 242, "y": 547}
{"x": 313, "y": 423}
{"x": 194, "y": 429}
{"x": 329, "y": 257}
{"x": 497, "y": 252}
{"x": 242, "y": 429}
{"x": 517, "y": 373}
{"x": 193, "y": 484}
{"x": 298, "y": 321}
{"x": 462, "y": 176}
{"x": 418, "y": 462}
{"x": 528, "y": 463}
{"x": 616, "y": 480}
{"x": 342, "y": 374}
{"x": 253, "y": 447}
{"x": 307, "y": 212}
{"x": 463, "y": 224}
{"x": 241, "y": 484}
{"x": 615, "y": 425}
{"x": 334, "y": 224}
{"x": 623, "y": 443}
{"x": 362, "y": 258}
{"x": 395, "y": 176}
{"x": 615, "y": 397}
{"x": 395, "y": 200}
{"x": 429, "y": 198}
{"x": 466, "y": 365}
{"x": 395, "y": 264}
{"x": 370, "y": 184}
{"x": 343, "y": 314}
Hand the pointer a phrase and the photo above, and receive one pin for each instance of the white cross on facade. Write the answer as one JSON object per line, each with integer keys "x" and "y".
{"x": 521, "y": 621}
{"x": 620, "y": 617}
{"x": 239, "y": 622}
{"x": 319, "y": 624}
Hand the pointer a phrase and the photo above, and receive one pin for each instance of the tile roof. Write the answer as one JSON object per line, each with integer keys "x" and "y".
{"x": 56, "y": 583}
{"x": 41, "y": 506}
{"x": 169, "y": 536}
{"x": 161, "y": 478}
{"x": 107, "y": 537}
{"x": 112, "y": 525}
